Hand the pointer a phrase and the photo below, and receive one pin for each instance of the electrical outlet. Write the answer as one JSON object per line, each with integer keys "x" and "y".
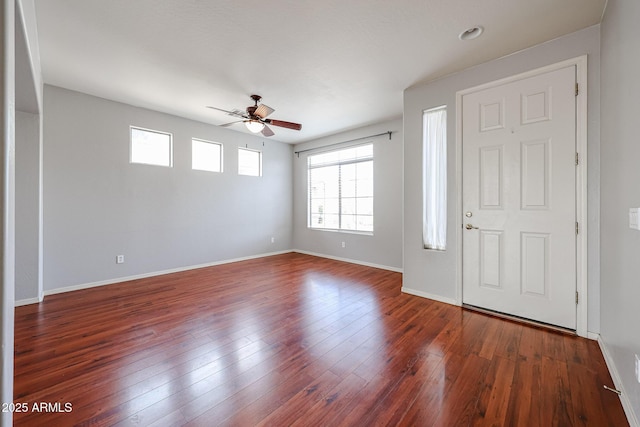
{"x": 634, "y": 218}
{"x": 638, "y": 368}
{"x": 273, "y": 240}
{"x": 119, "y": 259}
{"x": 344, "y": 245}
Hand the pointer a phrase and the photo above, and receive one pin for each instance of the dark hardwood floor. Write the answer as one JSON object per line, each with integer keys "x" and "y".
{"x": 295, "y": 340}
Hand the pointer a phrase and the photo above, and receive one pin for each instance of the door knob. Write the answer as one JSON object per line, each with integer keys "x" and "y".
{"x": 470, "y": 227}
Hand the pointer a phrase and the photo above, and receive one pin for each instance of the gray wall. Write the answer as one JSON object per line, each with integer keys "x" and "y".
{"x": 384, "y": 247}
{"x": 97, "y": 205}
{"x": 432, "y": 273}
{"x": 28, "y": 206}
{"x": 620, "y": 178}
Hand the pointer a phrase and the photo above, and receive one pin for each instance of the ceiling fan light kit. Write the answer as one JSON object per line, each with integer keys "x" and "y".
{"x": 255, "y": 118}
{"x": 254, "y": 126}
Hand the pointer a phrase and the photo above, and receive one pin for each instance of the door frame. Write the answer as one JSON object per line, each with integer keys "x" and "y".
{"x": 581, "y": 179}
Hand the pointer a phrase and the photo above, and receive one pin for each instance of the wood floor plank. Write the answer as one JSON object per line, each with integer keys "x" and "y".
{"x": 556, "y": 395}
{"x": 531, "y": 344}
{"x": 494, "y": 399}
{"x": 429, "y": 400}
{"x": 461, "y": 399}
{"x": 491, "y": 338}
{"x": 509, "y": 342}
{"x": 396, "y": 404}
{"x": 326, "y": 412}
{"x": 295, "y": 340}
{"x": 315, "y": 392}
{"x": 449, "y": 334}
{"x": 526, "y": 399}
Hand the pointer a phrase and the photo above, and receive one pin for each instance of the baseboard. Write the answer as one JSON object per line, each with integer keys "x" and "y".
{"x": 27, "y": 301}
{"x": 430, "y": 296}
{"x": 615, "y": 376}
{"x": 191, "y": 267}
{"x": 155, "y": 273}
{"x": 349, "y": 260}
{"x": 593, "y": 336}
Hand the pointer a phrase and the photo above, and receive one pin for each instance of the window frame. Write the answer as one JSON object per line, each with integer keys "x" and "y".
{"x": 259, "y": 161}
{"x": 341, "y": 199}
{"x": 159, "y": 132}
{"x": 221, "y": 163}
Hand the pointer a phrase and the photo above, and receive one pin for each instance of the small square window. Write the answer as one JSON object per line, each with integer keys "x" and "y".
{"x": 206, "y": 155}
{"x": 249, "y": 162}
{"x": 151, "y": 147}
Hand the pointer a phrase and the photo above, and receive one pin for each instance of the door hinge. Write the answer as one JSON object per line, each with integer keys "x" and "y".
{"x": 577, "y": 89}
{"x": 577, "y": 159}
{"x": 577, "y": 228}
{"x": 577, "y": 297}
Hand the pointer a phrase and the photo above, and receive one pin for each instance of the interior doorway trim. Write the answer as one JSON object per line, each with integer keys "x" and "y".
{"x": 581, "y": 179}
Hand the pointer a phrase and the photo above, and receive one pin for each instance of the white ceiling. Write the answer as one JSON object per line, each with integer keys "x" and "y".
{"x": 331, "y": 65}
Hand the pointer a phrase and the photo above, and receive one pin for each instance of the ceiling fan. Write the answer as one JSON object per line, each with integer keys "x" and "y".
{"x": 255, "y": 118}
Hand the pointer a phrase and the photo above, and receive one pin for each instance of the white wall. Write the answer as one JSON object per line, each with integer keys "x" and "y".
{"x": 620, "y": 330}
{"x": 97, "y": 205}
{"x": 432, "y": 273}
{"x": 384, "y": 247}
{"x": 7, "y": 201}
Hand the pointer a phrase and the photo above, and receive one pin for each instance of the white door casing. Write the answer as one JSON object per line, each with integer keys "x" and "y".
{"x": 519, "y": 186}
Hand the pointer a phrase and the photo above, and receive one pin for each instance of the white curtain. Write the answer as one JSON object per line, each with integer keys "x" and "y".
{"x": 434, "y": 179}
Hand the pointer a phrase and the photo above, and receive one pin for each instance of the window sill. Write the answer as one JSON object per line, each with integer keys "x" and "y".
{"x": 332, "y": 230}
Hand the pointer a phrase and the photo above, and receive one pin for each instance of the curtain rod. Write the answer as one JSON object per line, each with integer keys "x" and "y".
{"x": 344, "y": 142}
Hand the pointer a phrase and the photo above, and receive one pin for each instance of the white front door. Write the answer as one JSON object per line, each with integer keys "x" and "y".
{"x": 519, "y": 198}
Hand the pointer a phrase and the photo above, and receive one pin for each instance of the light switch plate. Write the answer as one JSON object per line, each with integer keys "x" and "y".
{"x": 634, "y": 222}
{"x": 638, "y": 368}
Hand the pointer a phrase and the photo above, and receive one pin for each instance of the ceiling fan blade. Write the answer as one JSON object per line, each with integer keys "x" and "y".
{"x": 283, "y": 124}
{"x": 230, "y": 123}
{"x": 263, "y": 111}
{"x": 266, "y": 131}
{"x": 231, "y": 113}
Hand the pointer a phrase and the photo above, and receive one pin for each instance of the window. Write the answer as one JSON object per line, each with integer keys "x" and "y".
{"x": 249, "y": 162}
{"x": 434, "y": 178}
{"x": 151, "y": 147}
{"x": 341, "y": 189}
{"x": 206, "y": 155}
